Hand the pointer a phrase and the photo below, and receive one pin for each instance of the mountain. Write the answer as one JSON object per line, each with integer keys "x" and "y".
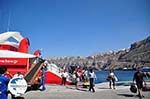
{"x": 139, "y": 53}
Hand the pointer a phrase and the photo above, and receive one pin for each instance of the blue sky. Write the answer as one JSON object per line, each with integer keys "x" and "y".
{"x": 77, "y": 27}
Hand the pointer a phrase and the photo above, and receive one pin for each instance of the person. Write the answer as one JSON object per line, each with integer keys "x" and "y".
{"x": 85, "y": 75}
{"x": 43, "y": 78}
{"x": 64, "y": 77}
{"x": 37, "y": 53}
{"x": 76, "y": 79}
{"x": 18, "y": 75}
{"x": 139, "y": 79}
{"x": 3, "y": 84}
{"x": 111, "y": 78}
{"x": 92, "y": 77}
{"x": 7, "y": 74}
{"x": 78, "y": 71}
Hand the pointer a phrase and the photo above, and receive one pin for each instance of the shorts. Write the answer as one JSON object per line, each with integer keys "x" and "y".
{"x": 139, "y": 85}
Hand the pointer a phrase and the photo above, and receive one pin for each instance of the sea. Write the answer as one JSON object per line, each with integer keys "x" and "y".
{"x": 122, "y": 75}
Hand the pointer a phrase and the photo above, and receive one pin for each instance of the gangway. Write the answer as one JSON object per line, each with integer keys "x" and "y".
{"x": 34, "y": 71}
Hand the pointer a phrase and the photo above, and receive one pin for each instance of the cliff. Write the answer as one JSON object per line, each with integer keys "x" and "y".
{"x": 137, "y": 55}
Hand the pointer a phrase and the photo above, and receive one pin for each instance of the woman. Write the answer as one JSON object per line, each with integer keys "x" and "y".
{"x": 111, "y": 78}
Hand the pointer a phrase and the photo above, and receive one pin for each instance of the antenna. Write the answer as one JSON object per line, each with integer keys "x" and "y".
{"x": 8, "y": 24}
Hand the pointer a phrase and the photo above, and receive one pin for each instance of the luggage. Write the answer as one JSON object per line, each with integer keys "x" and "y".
{"x": 108, "y": 78}
{"x": 133, "y": 88}
{"x": 146, "y": 88}
{"x": 86, "y": 84}
{"x": 115, "y": 77}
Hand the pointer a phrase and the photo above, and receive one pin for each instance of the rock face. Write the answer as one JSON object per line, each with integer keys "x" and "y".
{"x": 137, "y": 55}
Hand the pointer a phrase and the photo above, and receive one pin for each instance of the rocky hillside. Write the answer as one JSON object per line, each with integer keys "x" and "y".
{"x": 137, "y": 55}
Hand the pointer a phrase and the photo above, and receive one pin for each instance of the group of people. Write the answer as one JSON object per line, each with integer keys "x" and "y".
{"x": 80, "y": 75}
{"x": 138, "y": 79}
{"x": 89, "y": 76}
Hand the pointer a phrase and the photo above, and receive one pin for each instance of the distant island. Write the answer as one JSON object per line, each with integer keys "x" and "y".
{"x": 136, "y": 56}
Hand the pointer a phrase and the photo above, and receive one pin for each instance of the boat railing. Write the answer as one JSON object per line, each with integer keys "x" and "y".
{"x": 53, "y": 68}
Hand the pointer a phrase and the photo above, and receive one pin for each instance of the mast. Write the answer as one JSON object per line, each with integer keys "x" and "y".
{"x": 8, "y": 24}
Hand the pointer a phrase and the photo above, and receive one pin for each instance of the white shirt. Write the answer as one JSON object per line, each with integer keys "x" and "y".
{"x": 92, "y": 75}
{"x": 18, "y": 76}
{"x": 65, "y": 74}
{"x": 111, "y": 74}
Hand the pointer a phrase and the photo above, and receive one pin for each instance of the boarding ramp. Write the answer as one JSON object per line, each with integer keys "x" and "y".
{"x": 34, "y": 70}
{"x": 54, "y": 69}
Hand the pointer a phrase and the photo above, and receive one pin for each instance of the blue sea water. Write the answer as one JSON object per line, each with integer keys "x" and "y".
{"x": 121, "y": 75}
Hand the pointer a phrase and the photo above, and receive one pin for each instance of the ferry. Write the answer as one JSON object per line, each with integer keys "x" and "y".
{"x": 14, "y": 55}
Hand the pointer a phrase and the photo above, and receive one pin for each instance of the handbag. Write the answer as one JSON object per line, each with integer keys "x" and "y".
{"x": 108, "y": 78}
{"x": 116, "y": 79}
{"x": 133, "y": 88}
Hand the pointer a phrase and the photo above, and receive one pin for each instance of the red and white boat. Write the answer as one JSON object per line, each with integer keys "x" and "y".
{"x": 14, "y": 55}
{"x": 53, "y": 75}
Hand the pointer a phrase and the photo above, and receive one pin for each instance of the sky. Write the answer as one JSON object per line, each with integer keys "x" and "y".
{"x": 77, "y": 27}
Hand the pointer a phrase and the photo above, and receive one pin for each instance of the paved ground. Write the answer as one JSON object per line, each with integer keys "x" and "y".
{"x": 102, "y": 92}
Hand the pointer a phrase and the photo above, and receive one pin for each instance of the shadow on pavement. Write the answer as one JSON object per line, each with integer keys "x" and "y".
{"x": 103, "y": 88}
{"x": 80, "y": 89}
{"x": 126, "y": 95}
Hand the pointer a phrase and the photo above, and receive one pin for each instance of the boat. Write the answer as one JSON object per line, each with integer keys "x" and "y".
{"x": 15, "y": 56}
{"x": 53, "y": 75}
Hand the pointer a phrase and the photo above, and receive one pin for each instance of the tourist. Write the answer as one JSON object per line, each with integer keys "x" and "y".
{"x": 139, "y": 79}
{"x": 3, "y": 84}
{"x": 111, "y": 78}
{"x": 64, "y": 77}
{"x": 7, "y": 74}
{"x": 79, "y": 73}
{"x": 85, "y": 75}
{"x": 42, "y": 88}
{"x": 92, "y": 77}
{"x": 76, "y": 79}
{"x": 18, "y": 75}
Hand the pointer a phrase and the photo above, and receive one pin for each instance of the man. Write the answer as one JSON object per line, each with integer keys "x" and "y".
{"x": 3, "y": 84}
{"x": 64, "y": 77}
{"x": 92, "y": 77}
{"x": 139, "y": 79}
{"x": 43, "y": 78}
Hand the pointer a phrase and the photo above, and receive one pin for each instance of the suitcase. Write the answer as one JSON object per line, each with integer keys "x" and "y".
{"x": 146, "y": 88}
